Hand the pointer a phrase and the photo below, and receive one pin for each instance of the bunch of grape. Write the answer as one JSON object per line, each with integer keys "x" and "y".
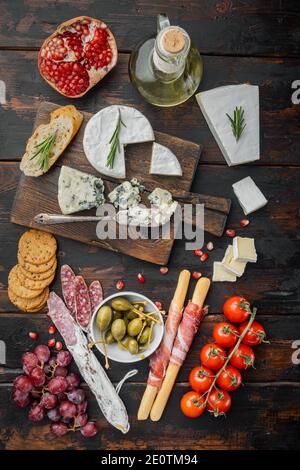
{"x": 52, "y": 391}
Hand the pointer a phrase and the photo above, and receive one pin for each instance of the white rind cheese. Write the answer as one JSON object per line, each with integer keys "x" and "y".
{"x": 220, "y": 274}
{"x": 125, "y": 195}
{"x": 244, "y": 249}
{"x": 234, "y": 266}
{"x": 78, "y": 191}
{"x": 164, "y": 161}
{"x": 216, "y": 103}
{"x": 249, "y": 195}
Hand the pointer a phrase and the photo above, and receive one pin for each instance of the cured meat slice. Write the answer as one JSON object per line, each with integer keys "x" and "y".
{"x": 83, "y": 303}
{"x": 160, "y": 359}
{"x": 67, "y": 278}
{"x": 89, "y": 367}
{"x": 96, "y": 294}
{"x": 188, "y": 327}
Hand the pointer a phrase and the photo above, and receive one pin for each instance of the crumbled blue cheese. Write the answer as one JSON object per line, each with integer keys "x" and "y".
{"x": 164, "y": 206}
{"x": 125, "y": 195}
{"x": 160, "y": 197}
{"x": 78, "y": 191}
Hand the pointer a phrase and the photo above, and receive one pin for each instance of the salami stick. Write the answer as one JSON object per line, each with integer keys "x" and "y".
{"x": 187, "y": 329}
{"x": 160, "y": 359}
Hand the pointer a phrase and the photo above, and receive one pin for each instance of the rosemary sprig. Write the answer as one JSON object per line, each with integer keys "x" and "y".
{"x": 237, "y": 122}
{"x": 114, "y": 141}
{"x": 43, "y": 150}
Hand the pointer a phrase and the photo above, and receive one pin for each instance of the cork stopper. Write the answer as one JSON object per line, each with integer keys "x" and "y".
{"x": 173, "y": 41}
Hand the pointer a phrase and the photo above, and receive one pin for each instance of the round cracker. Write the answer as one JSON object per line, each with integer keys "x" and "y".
{"x": 15, "y": 286}
{"x": 36, "y": 268}
{"x": 38, "y": 276}
{"x": 34, "y": 284}
{"x": 37, "y": 247}
{"x": 29, "y": 305}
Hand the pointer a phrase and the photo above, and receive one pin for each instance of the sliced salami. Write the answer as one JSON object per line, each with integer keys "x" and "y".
{"x": 83, "y": 303}
{"x": 61, "y": 318}
{"x": 96, "y": 294}
{"x": 67, "y": 278}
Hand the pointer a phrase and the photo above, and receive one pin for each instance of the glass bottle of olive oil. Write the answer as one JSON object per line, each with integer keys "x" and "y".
{"x": 167, "y": 68}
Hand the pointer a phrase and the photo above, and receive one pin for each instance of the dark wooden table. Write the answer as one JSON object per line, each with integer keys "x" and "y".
{"x": 251, "y": 41}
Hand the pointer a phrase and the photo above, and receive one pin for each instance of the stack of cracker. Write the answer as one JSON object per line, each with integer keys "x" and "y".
{"x": 29, "y": 280}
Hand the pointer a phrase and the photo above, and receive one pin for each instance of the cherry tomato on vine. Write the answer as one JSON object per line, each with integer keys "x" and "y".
{"x": 255, "y": 335}
{"x": 243, "y": 358}
{"x": 212, "y": 356}
{"x": 191, "y": 404}
{"x": 201, "y": 378}
{"x": 229, "y": 379}
{"x": 219, "y": 402}
{"x": 235, "y": 309}
{"x": 225, "y": 334}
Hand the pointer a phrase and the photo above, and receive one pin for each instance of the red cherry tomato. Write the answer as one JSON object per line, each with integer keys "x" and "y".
{"x": 243, "y": 358}
{"x": 219, "y": 402}
{"x": 225, "y": 334}
{"x": 191, "y": 404}
{"x": 230, "y": 379}
{"x": 212, "y": 356}
{"x": 201, "y": 378}
{"x": 235, "y": 309}
{"x": 255, "y": 335}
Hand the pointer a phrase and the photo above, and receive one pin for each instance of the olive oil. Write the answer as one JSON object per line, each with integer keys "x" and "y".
{"x": 167, "y": 68}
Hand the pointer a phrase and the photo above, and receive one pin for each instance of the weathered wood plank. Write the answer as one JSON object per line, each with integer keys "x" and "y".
{"x": 228, "y": 27}
{"x": 279, "y": 117}
{"x": 263, "y": 416}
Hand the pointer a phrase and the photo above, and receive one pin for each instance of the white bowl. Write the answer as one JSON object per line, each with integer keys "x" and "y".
{"x": 113, "y": 351}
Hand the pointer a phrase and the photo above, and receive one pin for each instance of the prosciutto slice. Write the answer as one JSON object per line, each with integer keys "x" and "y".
{"x": 160, "y": 359}
{"x": 90, "y": 368}
{"x": 187, "y": 330}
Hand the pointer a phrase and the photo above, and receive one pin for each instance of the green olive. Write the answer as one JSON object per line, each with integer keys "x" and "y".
{"x": 123, "y": 344}
{"x": 134, "y": 327}
{"x": 117, "y": 315}
{"x": 109, "y": 339}
{"x": 133, "y": 346}
{"x": 121, "y": 304}
{"x": 130, "y": 315}
{"x": 143, "y": 348}
{"x": 118, "y": 329}
{"x": 143, "y": 339}
{"x": 104, "y": 317}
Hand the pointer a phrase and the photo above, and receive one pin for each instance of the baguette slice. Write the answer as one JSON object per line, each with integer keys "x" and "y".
{"x": 69, "y": 110}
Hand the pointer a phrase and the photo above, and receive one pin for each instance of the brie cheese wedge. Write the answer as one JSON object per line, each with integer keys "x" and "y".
{"x": 249, "y": 195}
{"x": 220, "y": 274}
{"x": 218, "y": 102}
{"x": 134, "y": 128}
{"x": 164, "y": 161}
{"x": 232, "y": 265}
{"x": 244, "y": 249}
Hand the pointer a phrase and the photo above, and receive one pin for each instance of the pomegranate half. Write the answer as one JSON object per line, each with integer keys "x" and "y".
{"x": 77, "y": 55}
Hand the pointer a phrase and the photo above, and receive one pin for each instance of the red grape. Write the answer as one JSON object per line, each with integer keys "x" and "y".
{"x": 62, "y": 396}
{"x": 36, "y": 413}
{"x": 42, "y": 352}
{"x": 23, "y": 383}
{"x": 57, "y": 385}
{"x": 59, "y": 429}
{"x": 81, "y": 420}
{"x": 48, "y": 401}
{"x": 63, "y": 358}
{"x": 73, "y": 381}
{"x": 81, "y": 408}
{"x": 60, "y": 371}
{"x": 67, "y": 409}
{"x": 76, "y": 396}
{"x": 21, "y": 399}
{"x": 37, "y": 377}
{"x": 29, "y": 361}
{"x": 54, "y": 415}
{"x": 89, "y": 429}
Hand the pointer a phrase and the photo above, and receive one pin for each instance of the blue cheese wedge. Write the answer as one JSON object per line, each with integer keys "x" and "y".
{"x": 218, "y": 102}
{"x": 78, "y": 191}
{"x": 232, "y": 265}
{"x": 125, "y": 195}
{"x": 164, "y": 161}
{"x": 244, "y": 249}
{"x": 163, "y": 205}
{"x": 249, "y": 195}
{"x": 160, "y": 197}
{"x": 220, "y": 274}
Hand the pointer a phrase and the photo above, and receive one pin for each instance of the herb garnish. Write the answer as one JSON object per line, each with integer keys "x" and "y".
{"x": 237, "y": 122}
{"x": 114, "y": 141}
{"x": 43, "y": 151}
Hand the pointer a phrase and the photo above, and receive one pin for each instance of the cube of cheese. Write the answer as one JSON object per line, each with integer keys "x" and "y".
{"x": 236, "y": 267}
{"x": 249, "y": 195}
{"x": 221, "y": 274}
{"x": 244, "y": 249}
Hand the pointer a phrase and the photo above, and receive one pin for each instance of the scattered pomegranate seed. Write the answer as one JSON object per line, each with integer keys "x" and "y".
{"x": 33, "y": 335}
{"x": 196, "y": 275}
{"x": 210, "y": 246}
{"x": 120, "y": 284}
{"x": 204, "y": 257}
{"x": 58, "y": 345}
{"x": 158, "y": 305}
{"x": 198, "y": 252}
{"x": 230, "y": 232}
{"x": 52, "y": 329}
{"x": 244, "y": 222}
{"x": 140, "y": 278}
{"x": 164, "y": 269}
{"x": 51, "y": 342}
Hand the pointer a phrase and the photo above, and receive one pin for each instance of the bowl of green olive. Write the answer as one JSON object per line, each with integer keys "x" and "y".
{"x": 127, "y": 327}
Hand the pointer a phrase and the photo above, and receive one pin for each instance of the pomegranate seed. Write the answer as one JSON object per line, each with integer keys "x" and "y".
{"x": 196, "y": 275}
{"x": 210, "y": 246}
{"x": 163, "y": 269}
{"x": 158, "y": 304}
{"x": 52, "y": 329}
{"x": 230, "y": 232}
{"x": 120, "y": 284}
{"x": 198, "y": 252}
{"x": 33, "y": 335}
{"x": 204, "y": 257}
{"x": 58, "y": 345}
{"x": 244, "y": 222}
{"x": 51, "y": 343}
{"x": 140, "y": 278}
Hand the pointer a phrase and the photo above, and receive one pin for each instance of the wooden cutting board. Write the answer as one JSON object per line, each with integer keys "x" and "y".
{"x": 35, "y": 195}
